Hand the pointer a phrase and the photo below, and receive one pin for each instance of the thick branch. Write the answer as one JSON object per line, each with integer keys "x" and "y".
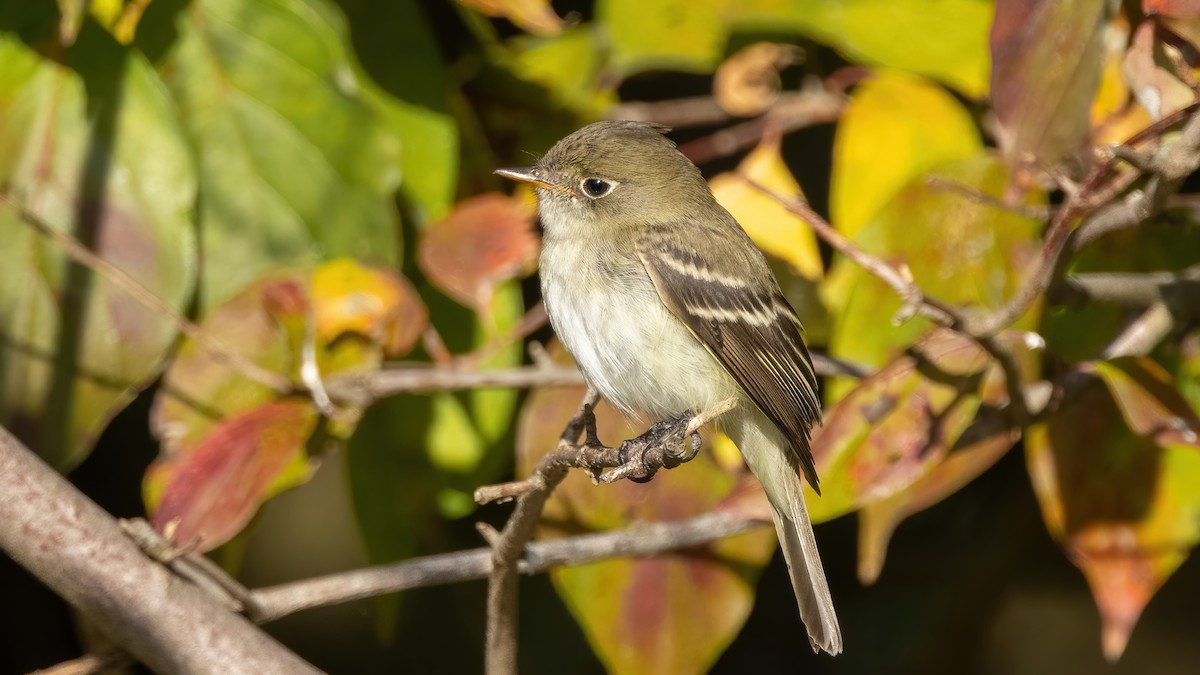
{"x": 79, "y": 551}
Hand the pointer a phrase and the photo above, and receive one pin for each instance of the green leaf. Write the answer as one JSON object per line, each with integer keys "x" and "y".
{"x": 408, "y": 86}
{"x": 97, "y": 154}
{"x": 297, "y": 161}
{"x": 684, "y": 35}
{"x": 568, "y": 66}
{"x": 960, "y": 249}
{"x": 946, "y": 40}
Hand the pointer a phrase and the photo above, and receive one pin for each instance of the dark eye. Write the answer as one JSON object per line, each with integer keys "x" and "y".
{"x": 596, "y": 188}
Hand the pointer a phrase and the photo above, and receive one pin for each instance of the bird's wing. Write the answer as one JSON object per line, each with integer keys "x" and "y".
{"x": 750, "y": 328}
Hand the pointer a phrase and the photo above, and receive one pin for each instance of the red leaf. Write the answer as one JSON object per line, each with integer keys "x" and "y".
{"x": 215, "y": 488}
{"x": 1046, "y": 63}
{"x": 484, "y": 241}
{"x": 1180, "y": 8}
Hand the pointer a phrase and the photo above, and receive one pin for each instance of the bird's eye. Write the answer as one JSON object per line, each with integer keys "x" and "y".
{"x": 596, "y": 188}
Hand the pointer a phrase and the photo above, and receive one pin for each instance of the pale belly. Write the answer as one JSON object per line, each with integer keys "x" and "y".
{"x": 652, "y": 364}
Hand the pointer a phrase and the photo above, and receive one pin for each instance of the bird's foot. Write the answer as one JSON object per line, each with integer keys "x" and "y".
{"x": 664, "y": 444}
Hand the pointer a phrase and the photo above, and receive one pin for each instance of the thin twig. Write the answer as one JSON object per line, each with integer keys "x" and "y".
{"x": 638, "y": 540}
{"x": 1179, "y": 157}
{"x": 806, "y": 108}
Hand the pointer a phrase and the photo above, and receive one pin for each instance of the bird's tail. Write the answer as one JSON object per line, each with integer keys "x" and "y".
{"x": 769, "y": 459}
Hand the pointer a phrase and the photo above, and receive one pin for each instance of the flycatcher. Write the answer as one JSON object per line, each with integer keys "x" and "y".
{"x": 669, "y": 308}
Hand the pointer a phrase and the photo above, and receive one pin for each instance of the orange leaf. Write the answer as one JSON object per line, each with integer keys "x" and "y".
{"x": 379, "y": 303}
{"x": 534, "y": 16}
{"x": 213, "y": 489}
{"x": 485, "y": 240}
{"x": 1125, "y": 510}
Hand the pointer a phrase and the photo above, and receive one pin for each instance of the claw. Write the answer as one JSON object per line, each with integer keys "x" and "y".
{"x": 623, "y": 458}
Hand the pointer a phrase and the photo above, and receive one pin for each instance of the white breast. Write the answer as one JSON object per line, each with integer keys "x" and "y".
{"x": 650, "y": 363}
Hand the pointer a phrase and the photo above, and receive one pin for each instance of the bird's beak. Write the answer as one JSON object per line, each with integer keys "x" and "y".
{"x": 529, "y": 174}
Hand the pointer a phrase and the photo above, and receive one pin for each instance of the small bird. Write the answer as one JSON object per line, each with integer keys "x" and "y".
{"x": 669, "y": 308}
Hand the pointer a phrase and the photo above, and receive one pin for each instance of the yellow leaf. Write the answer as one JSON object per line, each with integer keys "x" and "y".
{"x": 771, "y": 226}
{"x": 895, "y": 128}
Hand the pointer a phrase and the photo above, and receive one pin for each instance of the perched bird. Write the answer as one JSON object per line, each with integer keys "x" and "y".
{"x": 669, "y": 308}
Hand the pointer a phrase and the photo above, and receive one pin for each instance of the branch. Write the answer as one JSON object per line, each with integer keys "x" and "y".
{"x": 1179, "y": 289}
{"x": 1178, "y": 158}
{"x": 806, "y": 108}
{"x": 79, "y": 551}
{"x": 644, "y": 539}
{"x": 665, "y": 445}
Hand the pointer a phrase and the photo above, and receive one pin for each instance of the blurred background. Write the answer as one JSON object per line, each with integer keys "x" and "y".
{"x": 292, "y": 172}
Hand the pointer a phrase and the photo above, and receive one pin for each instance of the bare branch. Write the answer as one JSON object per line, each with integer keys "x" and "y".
{"x": 1179, "y": 157}
{"x": 797, "y": 110}
{"x": 639, "y": 540}
{"x": 1132, "y": 289}
{"x": 1143, "y": 334}
{"x": 78, "y": 550}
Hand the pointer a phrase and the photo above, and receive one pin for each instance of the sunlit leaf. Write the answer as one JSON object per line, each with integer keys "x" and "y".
{"x": 942, "y": 39}
{"x": 772, "y": 227}
{"x": 1126, "y": 510}
{"x": 686, "y": 35}
{"x": 97, "y": 154}
{"x": 373, "y": 302}
{"x": 296, "y": 161}
{"x": 485, "y": 240}
{"x": 1113, "y": 118}
{"x": 895, "y": 128}
{"x": 213, "y": 489}
{"x": 1047, "y": 56}
{"x": 534, "y": 16}
{"x": 1151, "y": 75}
{"x": 960, "y": 245}
{"x": 71, "y": 14}
{"x": 569, "y": 66}
{"x": 748, "y": 82}
{"x": 890, "y": 431}
{"x": 356, "y": 313}
{"x": 199, "y": 389}
{"x": 672, "y": 613}
{"x": 1149, "y": 401}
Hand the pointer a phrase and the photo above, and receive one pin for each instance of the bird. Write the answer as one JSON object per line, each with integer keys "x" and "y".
{"x": 669, "y": 308}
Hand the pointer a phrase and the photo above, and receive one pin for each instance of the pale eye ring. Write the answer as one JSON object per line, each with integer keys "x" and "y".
{"x": 595, "y": 187}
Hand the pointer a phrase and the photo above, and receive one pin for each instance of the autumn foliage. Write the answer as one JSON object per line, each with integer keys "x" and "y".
{"x": 244, "y": 211}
